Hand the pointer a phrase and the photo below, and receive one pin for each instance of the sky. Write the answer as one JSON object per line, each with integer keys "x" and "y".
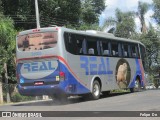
{"x": 124, "y": 6}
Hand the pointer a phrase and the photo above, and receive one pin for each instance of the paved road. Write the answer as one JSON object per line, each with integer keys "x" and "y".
{"x": 148, "y": 100}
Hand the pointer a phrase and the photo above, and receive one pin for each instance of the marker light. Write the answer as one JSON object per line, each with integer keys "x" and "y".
{"x": 62, "y": 75}
{"x": 35, "y": 30}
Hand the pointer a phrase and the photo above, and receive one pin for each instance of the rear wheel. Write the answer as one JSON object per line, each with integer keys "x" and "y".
{"x": 96, "y": 90}
{"x": 137, "y": 86}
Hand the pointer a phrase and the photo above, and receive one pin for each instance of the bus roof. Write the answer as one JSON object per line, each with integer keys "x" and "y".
{"x": 87, "y": 32}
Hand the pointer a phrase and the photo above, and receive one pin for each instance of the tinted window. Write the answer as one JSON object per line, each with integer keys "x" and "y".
{"x": 81, "y": 45}
{"x": 105, "y": 48}
{"x": 75, "y": 43}
{"x": 143, "y": 54}
{"x": 92, "y": 48}
{"x": 115, "y": 49}
{"x": 37, "y": 41}
{"x": 134, "y": 51}
{"x": 70, "y": 42}
{"x": 125, "y": 50}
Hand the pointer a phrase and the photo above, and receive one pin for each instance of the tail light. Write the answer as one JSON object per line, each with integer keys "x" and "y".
{"x": 61, "y": 75}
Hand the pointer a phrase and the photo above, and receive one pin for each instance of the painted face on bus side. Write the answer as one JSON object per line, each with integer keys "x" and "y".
{"x": 122, "y": 72}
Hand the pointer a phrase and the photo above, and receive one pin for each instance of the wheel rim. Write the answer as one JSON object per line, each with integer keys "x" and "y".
{"x": 96, "y": 90}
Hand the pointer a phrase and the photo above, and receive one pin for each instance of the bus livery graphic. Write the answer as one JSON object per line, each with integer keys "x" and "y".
{"x": 57, "y": 61}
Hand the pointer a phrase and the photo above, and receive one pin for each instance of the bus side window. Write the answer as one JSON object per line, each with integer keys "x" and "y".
{"x": 134, "y": 51}
{"x": 137, "y": 52}
{"x": 114, "y": 49}
{"x": 70, "y": 43}
{"x": 105, "y": 48}
{"x": 119, "y": 49}
{"x": 92, "y": 46}
{"x": 99, "y": 47}
{"x": 143, "y": 55}
{"x": 125, "y": 50}
{"x": 81, "y": 45}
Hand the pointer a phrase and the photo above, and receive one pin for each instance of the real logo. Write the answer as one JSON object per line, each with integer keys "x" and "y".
{"x": 38, "y": 66}
{"x": 93, "y": 67}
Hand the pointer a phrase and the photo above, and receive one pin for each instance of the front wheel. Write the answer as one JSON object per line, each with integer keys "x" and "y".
{"x": 96, "y": 90}
{"x": 137, "y": 86}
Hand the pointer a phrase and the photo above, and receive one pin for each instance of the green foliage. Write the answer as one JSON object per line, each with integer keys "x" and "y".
{"x": 120, "y": 91}
{"x": 70, "y": 12}
{"x": 156, "y": 9}
{"x": 7, "y": 41}
{"x": 0, "y": 6}
{"x": 21, "y": 11}
{"x": 91, "y": 9}
{"x": 152, "y": 42}
{"x": 127, "y": 25}
{"x": 124, "y": 22}
{"x": 156, "y": 84}
{"x": 19, "y": 98}
{"x": 89, "y": 27}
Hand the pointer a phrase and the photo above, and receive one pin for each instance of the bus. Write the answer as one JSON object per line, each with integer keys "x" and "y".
{"x": 57, "y": 61}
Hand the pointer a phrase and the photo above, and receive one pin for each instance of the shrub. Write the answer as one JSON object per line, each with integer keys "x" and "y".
{"x": 19, "y": 98}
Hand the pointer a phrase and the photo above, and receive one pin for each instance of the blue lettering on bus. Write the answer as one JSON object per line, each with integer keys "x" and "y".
{"x": 91, "y": 67}
{"x": 85, "y": 64}
{"x": 108, "y": 67}
{"x": 27, "y": 66}
{"x": 38, "y": 66}
{"x": 43, "y": 67}
{"x": 34, "y": 66}
{"x": 102, "y": 67}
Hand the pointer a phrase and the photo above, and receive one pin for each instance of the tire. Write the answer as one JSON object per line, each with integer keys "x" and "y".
{"x": 137, "y": 86}
{"x": 96, "y": 90}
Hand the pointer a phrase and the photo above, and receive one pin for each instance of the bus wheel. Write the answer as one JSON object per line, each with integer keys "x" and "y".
{"x": 96, "y": 90}
{"x": 137, "y": 86}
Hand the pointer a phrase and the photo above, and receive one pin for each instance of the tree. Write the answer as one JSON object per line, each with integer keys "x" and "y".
{"x": 0, "y": 6}
{"x": 142, "y": 10}
{"x": 123, "y": 22}
{"x": 23, "y": 13}
{"x": 70, "y": 12}
{"x": 91, "y": 9}
{"x": 152, "y": 42}
{"x": 156, "y": 9}
{"x": 7, "y": 50}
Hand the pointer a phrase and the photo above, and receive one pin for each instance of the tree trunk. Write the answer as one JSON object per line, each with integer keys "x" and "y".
{"x": 1, "y": 90}
{"x": 6, "y": 82}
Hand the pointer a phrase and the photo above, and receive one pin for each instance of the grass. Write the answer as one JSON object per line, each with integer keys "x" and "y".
{"x": 120, "y": 91}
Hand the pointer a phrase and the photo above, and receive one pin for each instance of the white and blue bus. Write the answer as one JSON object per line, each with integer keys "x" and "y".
{"x": 57, "y": 60}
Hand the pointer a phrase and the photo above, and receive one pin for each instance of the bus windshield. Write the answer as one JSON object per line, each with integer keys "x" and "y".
{"x": 37, "y": 41}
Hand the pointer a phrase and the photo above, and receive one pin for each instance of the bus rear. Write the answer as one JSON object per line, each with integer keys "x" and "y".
{"x": 38, "y": 67}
